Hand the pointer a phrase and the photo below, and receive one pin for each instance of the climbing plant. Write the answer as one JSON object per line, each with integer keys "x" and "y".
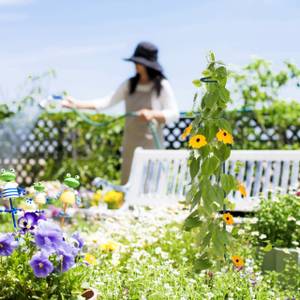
{"x": 211, "y": 139}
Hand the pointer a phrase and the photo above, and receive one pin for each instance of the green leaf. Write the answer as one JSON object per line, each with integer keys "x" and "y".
{"x": 206, "y": 73}
{"x": 217, "y": 195}
{"x": 268, "y": 248}
{"x": 210, "y": 129}
{"x": 228, "y": 183}
{"x": 202, "y": 264}
{"x": 211, "y": 194}
{"x": 192, "y": 221}
{"x": 224, "y": 124}
{"x": 205, "y": 240}
{"x": 190, "y": 194}
{"x": 209, "y": 165}
{"x": 204, "y": 151}
{"x": 196, "y": 199}
{"x": 222, "y": 151}
{"x": 194, "y": 167}
{"x": 212, "y": 56}
{"x": 224, "y": 94}
{"x": 221, "y": 72}
{"x": 197, "y": 83}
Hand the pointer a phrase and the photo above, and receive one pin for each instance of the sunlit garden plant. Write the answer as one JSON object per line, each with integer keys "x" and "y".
{"x": 278, "y": 221}
{"x": 210, "y": 137}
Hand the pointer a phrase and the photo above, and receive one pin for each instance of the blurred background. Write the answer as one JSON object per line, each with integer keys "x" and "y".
{"x": 85, "y": 41}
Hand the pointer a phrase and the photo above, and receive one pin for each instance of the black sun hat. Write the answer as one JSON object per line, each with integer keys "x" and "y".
{"x": 146, "y": 54}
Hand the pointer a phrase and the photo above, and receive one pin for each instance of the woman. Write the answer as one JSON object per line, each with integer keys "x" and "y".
{"x": 148, "y": 93}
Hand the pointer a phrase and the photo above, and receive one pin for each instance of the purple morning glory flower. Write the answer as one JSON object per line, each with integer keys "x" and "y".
{"x": 48, "y": 236}
{"x": 78, "y": 240}
{"x": 41, "y": 265}
{"x": 7, "y": 244}
{"x": 28, "y": 221}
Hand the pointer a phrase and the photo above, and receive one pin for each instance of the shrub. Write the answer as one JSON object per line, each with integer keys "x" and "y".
{"x": 279, "y": 220}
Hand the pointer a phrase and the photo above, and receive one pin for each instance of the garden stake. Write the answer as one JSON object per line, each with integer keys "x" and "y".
{"x": 10, "y": 191}
{"x": 62, "y": 221}
{"x": 12, "y": 213}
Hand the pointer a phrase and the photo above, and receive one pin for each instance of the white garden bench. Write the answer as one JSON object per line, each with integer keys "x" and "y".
{"x": 159, "y": 177}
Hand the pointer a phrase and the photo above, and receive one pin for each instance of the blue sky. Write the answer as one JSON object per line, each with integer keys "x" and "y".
{"x": 85, "y": 41}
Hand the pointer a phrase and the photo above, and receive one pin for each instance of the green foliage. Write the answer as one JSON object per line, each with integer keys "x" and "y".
{"x": 259, "y": 86}
{"x": 279, "y": 220}
{"x": 257, "y": 92}
{"x": 207, "y": 196}
{"x": 19, "y": 282}
{"x": 156, "y": 265}
{"x": 274, "y": 122}
{"x": 96, "y": 150}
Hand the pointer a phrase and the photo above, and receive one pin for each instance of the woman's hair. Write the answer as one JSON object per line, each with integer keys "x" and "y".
{"x": 153, "y": 75}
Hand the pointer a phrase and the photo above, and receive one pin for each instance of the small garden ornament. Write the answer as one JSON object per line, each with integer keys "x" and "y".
{"x": 69, "y": 196}
{"x": 10, "y": 191}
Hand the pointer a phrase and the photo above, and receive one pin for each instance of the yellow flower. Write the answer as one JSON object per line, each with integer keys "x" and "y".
{"x": 97, "y": 196}
{"x": 242, "y": 190}
{"x": 237, "y": 261}
{"x": 224, "y": 136}
{"x": 186, "y": 132}
{"x": 228, "y": 218}
{"x": 197, "y": 141}
{"x": 114, "y": 197}
{"x": 109, "y": 246}
{"x": 68, "y": 197}
{"x": 90, "y": 259}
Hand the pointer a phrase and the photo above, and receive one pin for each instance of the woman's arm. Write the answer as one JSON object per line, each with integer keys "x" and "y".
{"x": 167, "y": 101}
{"x": 99, "y": 104}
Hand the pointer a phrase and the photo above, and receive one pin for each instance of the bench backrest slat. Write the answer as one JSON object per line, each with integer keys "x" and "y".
{"x": 161, "y": 176}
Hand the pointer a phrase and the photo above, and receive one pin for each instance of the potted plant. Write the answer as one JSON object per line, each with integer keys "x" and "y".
{"x": 278, "y": 226}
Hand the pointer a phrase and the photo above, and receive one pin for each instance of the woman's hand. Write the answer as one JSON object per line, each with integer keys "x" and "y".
{"x": 69, "y": 102}
{"x": 146, "y": 115}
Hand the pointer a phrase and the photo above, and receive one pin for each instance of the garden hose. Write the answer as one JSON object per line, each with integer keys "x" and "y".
{"x": 152, "y": 125}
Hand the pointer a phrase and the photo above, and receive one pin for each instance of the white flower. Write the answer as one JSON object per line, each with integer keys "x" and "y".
{"x": 262, "y": 236}
{"x": 291, "y": 218}
{"x": 295, "y": 243}
{"x": 229, "y": 228}
{"x": 158, "y": 250}
{"x": 254, "y": 220}
{"x": 255, "y": 233}
{"x": 164, "y": 255}
{"x": 241, "y": 231}
{"x": 298, "y": 223}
